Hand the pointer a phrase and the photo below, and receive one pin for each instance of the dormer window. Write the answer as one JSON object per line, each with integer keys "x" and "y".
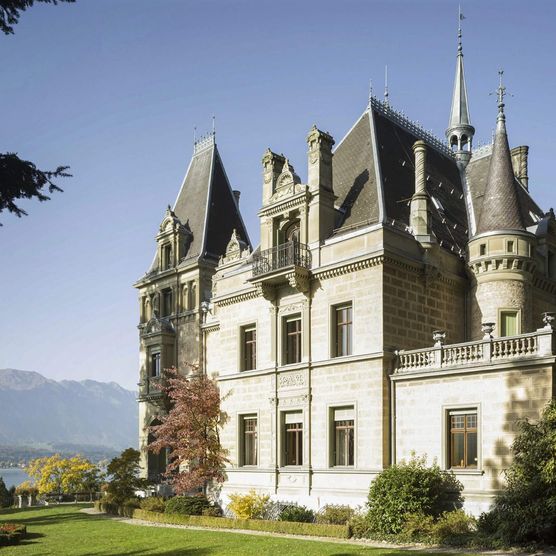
{"x": 166, "y": 256}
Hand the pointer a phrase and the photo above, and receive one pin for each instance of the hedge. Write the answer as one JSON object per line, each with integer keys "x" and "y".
{"x": 288, "y": 527}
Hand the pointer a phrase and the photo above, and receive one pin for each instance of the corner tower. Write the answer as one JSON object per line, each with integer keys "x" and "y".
{"x": 460, "y": 131}
{"x": 501, "y": 254}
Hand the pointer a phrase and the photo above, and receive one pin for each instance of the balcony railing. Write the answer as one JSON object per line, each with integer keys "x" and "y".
{"x": 487, "y": 351}
{"x": 150, "y": 386}
{"x": 281, "y": 256}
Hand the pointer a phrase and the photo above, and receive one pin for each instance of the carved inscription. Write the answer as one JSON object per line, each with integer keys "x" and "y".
{"x": 291, "y": 380}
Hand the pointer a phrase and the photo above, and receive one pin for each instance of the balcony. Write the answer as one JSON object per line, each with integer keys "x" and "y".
{"x": 282, "y": 256}
{"x": 489, "y": 351}
{"x": 150, "y": 388}
{"x": 286, "y": 263}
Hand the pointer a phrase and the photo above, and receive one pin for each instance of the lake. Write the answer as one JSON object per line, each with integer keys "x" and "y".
{"x": 13, "y": 476}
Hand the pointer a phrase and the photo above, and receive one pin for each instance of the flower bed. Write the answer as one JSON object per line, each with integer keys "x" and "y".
{"x": 11, "y": 533}
{"x": 291, "y": 528}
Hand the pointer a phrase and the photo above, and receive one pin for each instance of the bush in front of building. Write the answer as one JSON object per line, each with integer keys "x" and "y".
{"x": 11, "y": 533}
{"x": 249, "y": 506}
{"x": 296, "y": 512}
{"x": 454, "y": 528}
{"x": 153, "y": 504}
{"x": 187, "y": 505}
{"x": 410, "y": 488}
{"x": 335, "y": 514}
{"x": 526, "y": 511}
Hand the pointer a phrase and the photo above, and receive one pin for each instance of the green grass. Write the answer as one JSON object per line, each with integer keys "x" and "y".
{"x": 64, "y": 530}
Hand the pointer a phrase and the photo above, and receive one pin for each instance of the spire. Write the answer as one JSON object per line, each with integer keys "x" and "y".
{"x": 460, "y": 131}
{"x": 500, "y": 210}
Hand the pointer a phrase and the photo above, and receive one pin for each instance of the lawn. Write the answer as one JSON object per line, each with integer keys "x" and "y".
{"x": 65, "y": 530}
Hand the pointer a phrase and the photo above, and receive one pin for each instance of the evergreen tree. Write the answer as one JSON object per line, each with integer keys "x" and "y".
{"x": 6, "y": 499}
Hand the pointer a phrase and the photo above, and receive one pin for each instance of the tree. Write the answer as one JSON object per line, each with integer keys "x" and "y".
{"x": 124, "y": 476}
{"x": 10, "y": 12}
{"x": 190, "y": 432}
{"x": 526, "y": 510}
{"x": 57, "y": 475}
{"x": 21, "y": 179}
{"x": 6, "y": 499}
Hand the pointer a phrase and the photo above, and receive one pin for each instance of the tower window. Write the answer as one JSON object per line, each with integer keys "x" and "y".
{"x": 509, "y": 323}
{"x": 510, "y": 246}
{"x": 155, "y": 364}
{"x": 482, "y": 249}
{"x": 166, "y": 302}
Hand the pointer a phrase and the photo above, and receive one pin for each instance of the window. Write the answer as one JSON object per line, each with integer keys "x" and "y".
{"x": 509, "y": 323}
{"x": 482, "y": 249}
{"x": 463, "y": 439}
{"x": 343, "y": 436}
{"x": 249, "y": 348}
{"x": 166, "y": 302}
{"x": 293, "y": 439}
{"x": 292, "y": 331}
{"x": 166, "y": 257}
{"x": 510, "y": 246}
{"x": 155, "y": 364}
{"x": 249, "y": 440}
{"x": 342, "y": 330}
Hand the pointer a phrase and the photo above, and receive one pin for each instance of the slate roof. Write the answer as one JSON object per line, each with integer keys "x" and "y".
{"x": 206, "y": 205}
{"x": 500, "y": 206}
{"x": 360, "y": 193}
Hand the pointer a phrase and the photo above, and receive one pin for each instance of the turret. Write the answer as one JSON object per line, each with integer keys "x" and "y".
{"x": 460, "y": 131}
{"x": 501, "y": 254}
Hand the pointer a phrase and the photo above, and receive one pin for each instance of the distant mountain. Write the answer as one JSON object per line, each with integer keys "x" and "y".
{"x": 37, "y": 411}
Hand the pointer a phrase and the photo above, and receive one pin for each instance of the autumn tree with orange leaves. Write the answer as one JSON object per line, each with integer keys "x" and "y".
{"x": 191, "y": 431}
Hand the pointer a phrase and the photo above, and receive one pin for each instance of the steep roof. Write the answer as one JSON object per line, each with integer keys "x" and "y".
{"x": 374, "y": 177}
{"x": 206, "y": 205}
{"x": 500, "y": 207}
{"x": 477, "y": 176}
{"x": 459, "y": 114}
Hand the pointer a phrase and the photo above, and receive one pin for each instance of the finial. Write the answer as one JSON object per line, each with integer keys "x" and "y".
{"x": 386, "y": 94}
{"x": 501, "y": 91}
{"x": 460, "y": 18}
{"x": 214, "y": 124}
{"x": 370, "y": 91}
{"x": 194, "y": 134}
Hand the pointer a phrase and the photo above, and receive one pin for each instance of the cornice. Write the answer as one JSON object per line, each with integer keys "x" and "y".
{"x": 348, "y": 267}
{"x": 286, "y": 204}
{"x": 235, "y": 298}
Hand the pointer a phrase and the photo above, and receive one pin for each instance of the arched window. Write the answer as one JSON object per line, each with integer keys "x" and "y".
{"x": 292, "y": 232}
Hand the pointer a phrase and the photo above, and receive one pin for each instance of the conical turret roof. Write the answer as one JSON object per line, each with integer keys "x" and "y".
{"x": 500, "y": 210}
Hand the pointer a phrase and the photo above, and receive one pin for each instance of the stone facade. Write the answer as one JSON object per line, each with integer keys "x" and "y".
{"x": 321, "y": 339}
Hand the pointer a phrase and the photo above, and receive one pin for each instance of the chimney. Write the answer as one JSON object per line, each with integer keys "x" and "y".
{"x": 419, "y": 211}
{"x": 519, "y": 164}
{"x": 272, "y": 167}
{"x": 320, "y": 159}
{"x": 237, "y": 195}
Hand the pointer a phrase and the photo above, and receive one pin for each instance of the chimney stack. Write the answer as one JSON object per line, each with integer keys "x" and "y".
{"x": 419, "y": 211}
{"x": 320, "y": 159}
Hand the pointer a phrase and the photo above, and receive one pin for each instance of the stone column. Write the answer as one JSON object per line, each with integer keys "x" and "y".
{"x": 419, "y": 213}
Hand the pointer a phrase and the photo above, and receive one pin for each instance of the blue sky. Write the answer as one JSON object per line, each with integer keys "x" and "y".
{"x": 114, "y": 89}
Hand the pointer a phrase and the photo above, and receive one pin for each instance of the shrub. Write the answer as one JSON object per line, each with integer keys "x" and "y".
{"x": 335, "y": 514}
{"x": 359, "y": 526}
{"x": 295, "y": 512}
{"x": 187, "y": 505}
{"x": 417, "y": 527}
{"x": 410, "y": 488}
{"x": 526, "y": 511}
{"x": 250, "y": 505}
{"x": 11, "y": 533}
{"x": 132, "y": 503}
{"x": 212, "y": 511}
{"x": 454, "y": 528}
{"x": 153, "y": 504}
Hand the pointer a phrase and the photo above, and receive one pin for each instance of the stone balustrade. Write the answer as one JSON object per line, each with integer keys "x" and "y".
{"x": 482, "y": 352}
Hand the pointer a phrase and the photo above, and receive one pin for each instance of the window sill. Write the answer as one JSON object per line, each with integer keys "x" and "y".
{"x": 457, "y": 471}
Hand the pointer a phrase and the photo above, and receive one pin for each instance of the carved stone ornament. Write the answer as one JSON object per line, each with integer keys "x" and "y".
{"x": 293, "y": 401}
{"x": 236, "y": 249}
{"x": 548, "y": 319}
{"x": 291, "y": 380}
{"x": 266, "y": 290}
{"x": 439, "y": 337}
{"x": 300, "y": 279}
{"x": 158, "y": 325}
{"x": 487, "y": 328}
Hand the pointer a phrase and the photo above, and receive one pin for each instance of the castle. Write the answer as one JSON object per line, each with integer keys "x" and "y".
{"x": 400, "y": 301}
